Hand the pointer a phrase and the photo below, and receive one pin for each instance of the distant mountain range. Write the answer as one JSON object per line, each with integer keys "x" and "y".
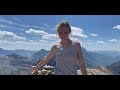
{"x": 16, "y": 56}
{"x": 109, "y": 53}
{"x": 91, "y": 59}
{"x": 21, "y": 52}
{"x": 20, "y": 61}
{"x": 15, "y": 65}
{"x": 106, "y": 58}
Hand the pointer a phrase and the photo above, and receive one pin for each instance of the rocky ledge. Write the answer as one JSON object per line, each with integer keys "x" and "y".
{"x": 49, "y": 70}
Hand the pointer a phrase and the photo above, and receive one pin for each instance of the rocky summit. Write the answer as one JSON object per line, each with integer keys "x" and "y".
{"x": 49, "y": 70}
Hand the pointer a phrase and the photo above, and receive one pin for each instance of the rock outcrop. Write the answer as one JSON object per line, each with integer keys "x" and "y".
{"x": 49, "y": 70}
{"x": 46, "y": 70}
{"x": 115, "y": 68}
{"x": 98, "y": 71}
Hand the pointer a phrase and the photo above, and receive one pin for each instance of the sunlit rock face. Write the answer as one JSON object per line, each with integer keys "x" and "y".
{"x": 100, "y": 70}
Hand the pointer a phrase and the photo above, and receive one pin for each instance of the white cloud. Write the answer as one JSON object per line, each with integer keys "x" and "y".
{"x": 4, "y": 26}
{"x": 88, "y": 42}
{"x": 46, "y": 25}
{"x": 31, "y": 40}
{"x": 36, "y": 32}
{"x": 6, "y": 21}
{"x": 100, "y": 42}
{"x": 113, "y": 40}
{"x": 75, "y": 39}
{"x": 37, "y": 27}
{"x": 19, "y": 45}
{"x": 12, "y": 23}
{"x": 49, "y": 36}
{"x": 55, "y": 42}
{"x": 43, "y": 41}
{"x": 5, "y": 35}
{"x": 10, "y": 27}
{"x": 20, "y": 25}
{"x": 94, "y": 35}
{"x": 27, "y": 45}
{"x": 78, "y": 32}
{"x": 116, "y": 27}
{"x": 19, "y": 42}
{"x": 17, "y": 19}
{"x": 45, "y": 35}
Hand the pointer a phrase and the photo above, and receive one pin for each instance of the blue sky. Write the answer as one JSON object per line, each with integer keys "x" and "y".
{"x": 35, "y": 32}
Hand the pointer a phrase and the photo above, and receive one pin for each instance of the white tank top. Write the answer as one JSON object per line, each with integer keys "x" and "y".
{"x": 66, "y": 60}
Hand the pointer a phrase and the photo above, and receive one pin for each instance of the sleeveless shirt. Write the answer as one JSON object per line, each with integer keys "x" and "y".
{"x": 66, "y": 60}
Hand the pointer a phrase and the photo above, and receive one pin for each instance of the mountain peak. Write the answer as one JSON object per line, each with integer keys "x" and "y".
{"x": 43, "y": 50}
